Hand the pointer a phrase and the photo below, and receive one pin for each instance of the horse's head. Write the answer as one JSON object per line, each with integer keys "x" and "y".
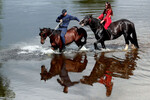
{"x": 44, "y": 33}
{"x": 45, "y": 75}
{"x": 86, "y": 20}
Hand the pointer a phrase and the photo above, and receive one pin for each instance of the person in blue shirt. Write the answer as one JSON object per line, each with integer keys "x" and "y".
{"x": 64, "y": 20}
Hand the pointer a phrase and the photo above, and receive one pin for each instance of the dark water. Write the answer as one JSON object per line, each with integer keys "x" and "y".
{"x": 31, "y": 71}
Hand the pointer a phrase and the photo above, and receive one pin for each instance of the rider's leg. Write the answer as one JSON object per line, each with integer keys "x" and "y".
{"x": 63, "y": 32}
{"x": 107, "y": 23}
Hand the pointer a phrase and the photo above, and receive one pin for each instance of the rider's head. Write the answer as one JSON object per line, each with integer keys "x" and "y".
{"x": 64, "y": 12}
{"x": 107, "y": 5}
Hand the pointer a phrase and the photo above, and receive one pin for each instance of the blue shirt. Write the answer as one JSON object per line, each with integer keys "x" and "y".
{"x": 65, "y": 20}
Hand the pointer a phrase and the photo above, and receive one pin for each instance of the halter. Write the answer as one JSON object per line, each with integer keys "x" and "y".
{"x": 90, "y": 20}
{"x": 45, "y": 36}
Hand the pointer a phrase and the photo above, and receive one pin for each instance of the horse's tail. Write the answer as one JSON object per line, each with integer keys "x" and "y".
{"x": 134, "y": 36}
{"x": 82, "y": 31}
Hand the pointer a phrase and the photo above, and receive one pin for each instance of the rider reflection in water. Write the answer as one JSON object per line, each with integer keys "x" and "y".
{"x": 65, "y": 80}
{"x": 64, "y": 19}
{"x": 76, "y": 64}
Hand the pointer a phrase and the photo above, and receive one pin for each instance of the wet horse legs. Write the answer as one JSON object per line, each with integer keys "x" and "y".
{"x": 102, "y": 43}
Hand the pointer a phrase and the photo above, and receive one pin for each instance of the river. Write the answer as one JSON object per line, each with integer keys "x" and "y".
{"x": 32, "y": 71}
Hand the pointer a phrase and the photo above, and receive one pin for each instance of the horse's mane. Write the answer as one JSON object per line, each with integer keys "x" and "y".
{"x": 56, "y": 32}
{"x": 91, "y": 16}
{"x": 53, "y": 31}
{"x": 95, "y": 20}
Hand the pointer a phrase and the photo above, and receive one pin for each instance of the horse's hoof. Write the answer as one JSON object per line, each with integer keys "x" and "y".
{"x": 98, "y": 49}
{"x": 62, "y": 50}
{"x": 79, "y": 48}
{"x": 133, "y": 47}
{"x": 126, "y": 47}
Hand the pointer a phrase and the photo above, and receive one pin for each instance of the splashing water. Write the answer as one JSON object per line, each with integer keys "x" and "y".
{"x": 35, "y": 49}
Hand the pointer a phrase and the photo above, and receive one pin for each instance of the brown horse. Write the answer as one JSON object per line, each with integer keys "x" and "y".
{"x": 76, "y": 64}
{"x": 74, "y": 34}
{"x": 60, "y": 65}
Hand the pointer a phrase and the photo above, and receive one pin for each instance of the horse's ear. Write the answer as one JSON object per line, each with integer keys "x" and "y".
{"x": 90, "y": 15}
{"x": 40, "y": 29}
{"x": 52, "y": 30}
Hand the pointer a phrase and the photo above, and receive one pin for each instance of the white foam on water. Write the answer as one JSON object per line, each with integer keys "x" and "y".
{"x": 109, "y": 50}
{"x": 35, "y": 49}
{"x": 84, "y": 49}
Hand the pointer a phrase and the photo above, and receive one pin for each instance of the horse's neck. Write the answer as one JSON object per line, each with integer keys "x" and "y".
{"x": 94, "y": 24}
{"x": 48, "y": 33}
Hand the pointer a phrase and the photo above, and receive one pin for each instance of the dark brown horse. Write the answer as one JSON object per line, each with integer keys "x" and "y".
{"x": 116, "y": 29}
{"x": 107, "y": 67}
{"x": 74, "y": 34}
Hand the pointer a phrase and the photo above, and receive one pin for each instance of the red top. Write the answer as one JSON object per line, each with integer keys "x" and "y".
{"x": 107, "y": 18}
{"x": 108, "y": 13}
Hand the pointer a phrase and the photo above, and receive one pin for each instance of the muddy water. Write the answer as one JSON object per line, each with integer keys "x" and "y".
{"x": 31, "y": 71}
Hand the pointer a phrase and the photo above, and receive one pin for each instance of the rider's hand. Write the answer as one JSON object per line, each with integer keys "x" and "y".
{"x": 102, "y": 21}
{"x": 61, "y": 21}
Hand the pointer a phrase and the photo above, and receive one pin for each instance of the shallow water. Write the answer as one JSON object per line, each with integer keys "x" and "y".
{"x": 30, "y": 71}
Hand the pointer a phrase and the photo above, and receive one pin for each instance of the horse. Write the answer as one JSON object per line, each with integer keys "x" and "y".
{"x": 116, "y": 29}
{"x": 76, "y": 64}
{"x": 74, "y": 34}
{"x": 107, "y": 67}
{"x": 61, "y": 65}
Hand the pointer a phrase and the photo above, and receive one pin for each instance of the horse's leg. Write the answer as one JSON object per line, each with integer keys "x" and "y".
{"x": 99, "y": 41}
{"x": 134, "y": 36}
{"x": 82, "y": 33}
{"x": 126, "y": 40}
{"x": 95, "y": 46}
{"x": 103, "y": 45}
{"x": 132, "y": 42}
{"x": 60, "y": 47}
{"x": 79, "y": 44}
{"x": 54, "y": 47}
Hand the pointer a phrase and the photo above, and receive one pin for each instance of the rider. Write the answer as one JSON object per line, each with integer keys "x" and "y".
{"x": 108, "y": 11}
{"x": 64, "y": 19}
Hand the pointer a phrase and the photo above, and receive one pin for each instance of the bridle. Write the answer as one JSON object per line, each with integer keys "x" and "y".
{"x": 90, "y": 20}
{"x": 43, "y": 34}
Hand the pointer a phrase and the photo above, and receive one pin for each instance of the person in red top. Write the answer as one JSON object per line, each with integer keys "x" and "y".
{"x": 108, "y": 11}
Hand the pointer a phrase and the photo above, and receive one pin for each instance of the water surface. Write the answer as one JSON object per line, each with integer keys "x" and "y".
{"x": 31, "y": 71}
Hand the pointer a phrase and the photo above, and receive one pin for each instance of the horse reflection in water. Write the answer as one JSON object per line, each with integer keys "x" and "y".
{"x": 105, "y": 68}
{"x": 60, "y": 65}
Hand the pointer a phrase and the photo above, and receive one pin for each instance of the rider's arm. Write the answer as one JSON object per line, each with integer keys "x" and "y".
{"x": 74, "y": 18}
{"x": 108, "y": 15}
{"x": 59, "y": 19}
{"x": 102, "y": 15}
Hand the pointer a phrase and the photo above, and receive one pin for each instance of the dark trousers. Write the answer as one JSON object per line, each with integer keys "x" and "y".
{"x": 63, "y": 32}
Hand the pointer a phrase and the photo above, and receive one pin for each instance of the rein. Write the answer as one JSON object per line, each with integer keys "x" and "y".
{"x": 55, "y": 29}
{"x": 50, "y": 34}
